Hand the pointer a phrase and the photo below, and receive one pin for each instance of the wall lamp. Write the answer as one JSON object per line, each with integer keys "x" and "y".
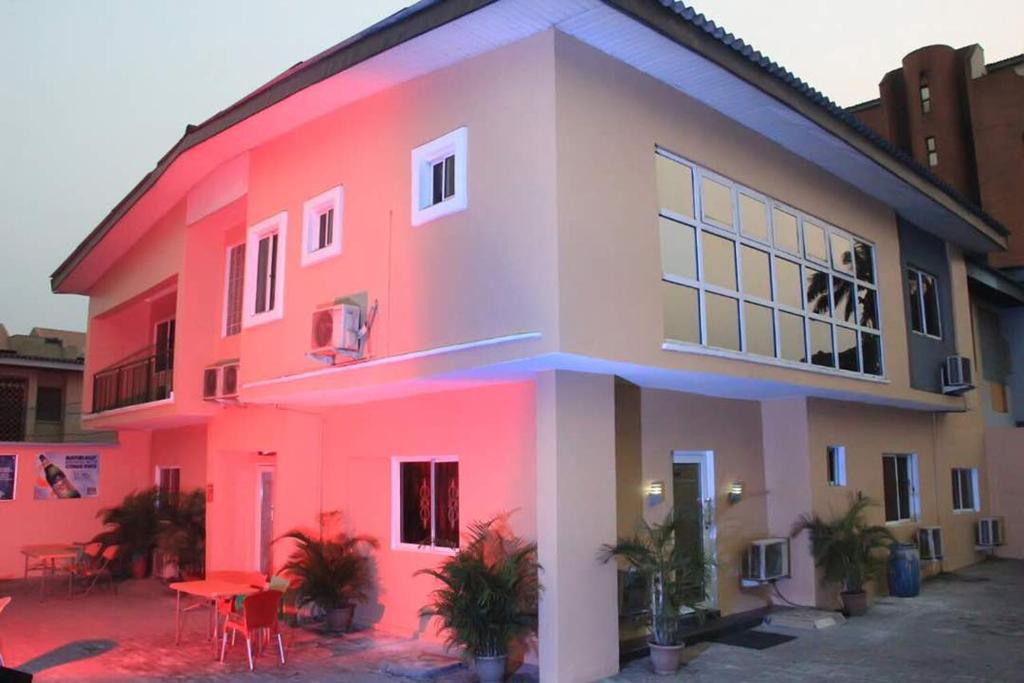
{"x": 735, "y": 492}
{"x": 654, "y": 492}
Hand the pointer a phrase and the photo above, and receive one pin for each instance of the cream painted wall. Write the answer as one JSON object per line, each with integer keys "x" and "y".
{"x": 1005, "y": 457}
{"x": 675, "y": 421}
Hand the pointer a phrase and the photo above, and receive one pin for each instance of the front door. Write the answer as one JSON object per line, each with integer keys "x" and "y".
{"x": 693, "y": 487}
{"x": 265, "y": 520}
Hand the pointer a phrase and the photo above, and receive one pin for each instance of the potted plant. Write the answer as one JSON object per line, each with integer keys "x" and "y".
{"x": 133, "y": 527}
{"x": 846, "y": 548}
{"x": 332, "y": 573}
{"x": 488, "y": 596}
{"x": 674, "y": 574}
{"x": 182, "y": 533}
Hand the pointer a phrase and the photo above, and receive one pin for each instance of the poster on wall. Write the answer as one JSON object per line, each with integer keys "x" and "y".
{"x": 8, "y": 476}
{"x": 66, "y": 475}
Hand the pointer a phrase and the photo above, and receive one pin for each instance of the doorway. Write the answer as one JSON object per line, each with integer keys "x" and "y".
{"x": 264, "y": 518}
{"x": 693, "y": 496}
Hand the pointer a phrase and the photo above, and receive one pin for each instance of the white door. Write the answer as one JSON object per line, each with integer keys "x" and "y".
{"x": 693, "y": 497}
{"x": 264, "y": 518}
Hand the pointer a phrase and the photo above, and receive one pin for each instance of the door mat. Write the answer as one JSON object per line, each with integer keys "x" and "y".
{"x": 754, "y": 640}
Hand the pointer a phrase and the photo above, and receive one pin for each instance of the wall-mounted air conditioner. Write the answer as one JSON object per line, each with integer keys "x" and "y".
{"x": 989, "y": 533}
{"x": 767, "y": 560}
{"x": 929, "y": 542}
{"x": 956, "y": 375}
{"x": 220, "y": 382}
{"x": 337, "y": 329}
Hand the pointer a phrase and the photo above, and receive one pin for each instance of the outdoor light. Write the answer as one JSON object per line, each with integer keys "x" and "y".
{"x": 736, "y": 492}
{"x": 654, "y": 492}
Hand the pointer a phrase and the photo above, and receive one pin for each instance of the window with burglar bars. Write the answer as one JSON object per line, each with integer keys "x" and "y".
{"x": 426, "y": 495}
{"x": 233, "y": 294}
{"x": 13, "y": 407}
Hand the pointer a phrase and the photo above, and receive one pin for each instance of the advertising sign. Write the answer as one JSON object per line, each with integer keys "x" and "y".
{"x": 8, "y": 476}
{"x": 67, "y": 475}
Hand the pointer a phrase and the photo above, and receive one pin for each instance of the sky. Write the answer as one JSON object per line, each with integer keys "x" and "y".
{"x": 93, "y": 93}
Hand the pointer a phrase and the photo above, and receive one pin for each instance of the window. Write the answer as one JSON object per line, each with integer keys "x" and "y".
{"x": 926, "y": 97}
{"x": 168, "y": 483}
{"x": 744, "y": 273}
{"x": 933, "y": 152}
{"x": 425, "y": 499}
{"x": 264, "y": 271}
{"x": 836, "y": 465}
{"x": 439, "y": 177}
{"x": 13, "y": 405}
{"x": 923, "y": 294}
{"x": 899, "y": 479}
{"x": 234, "y": 279}
{"x": 49, "y": 404}
{"x": 965, "y": 490}
{"x": 322, "y": 220}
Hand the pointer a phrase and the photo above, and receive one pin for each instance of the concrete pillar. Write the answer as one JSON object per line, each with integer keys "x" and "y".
{"x": 787, "y": 477}
{"x": 579, "y": 632}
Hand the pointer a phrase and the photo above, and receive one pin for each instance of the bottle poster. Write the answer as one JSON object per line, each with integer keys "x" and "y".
{"x": 66, "y": 475}
{"x": 8, "y": 476}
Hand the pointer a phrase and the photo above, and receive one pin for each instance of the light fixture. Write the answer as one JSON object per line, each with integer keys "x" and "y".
{"x": 654, "y": 492}
{"x": 736, "y": 491}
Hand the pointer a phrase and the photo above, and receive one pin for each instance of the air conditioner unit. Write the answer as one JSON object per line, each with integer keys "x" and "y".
{"x": 929, "y": 542}
{"x": 337, "y": 329}
{"x": 989, "y": 533}
{"x": 767, "y": 560}
{"x": 220, "y": 382}
{"x": 956, "y": 375}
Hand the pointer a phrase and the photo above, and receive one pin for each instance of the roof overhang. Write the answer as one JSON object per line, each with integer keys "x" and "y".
{"x": 669, "y": 42}
{"x": 42, "y": 363}
{"x": 994, "y": 286}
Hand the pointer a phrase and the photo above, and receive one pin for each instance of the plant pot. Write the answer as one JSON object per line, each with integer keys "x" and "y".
{"x": 855, "y": 603}
{"x": 340, "y": 618}
{"x": 490, "y": 669}
{"x": 139, "y": 567}
{"x": 665, "y": 658}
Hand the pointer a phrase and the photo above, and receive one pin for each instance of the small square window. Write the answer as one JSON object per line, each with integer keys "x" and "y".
{"x": 264, "y": 270}
{"x": 933, "y": 152}
{"x": 923, "y": 300}
{"x": 425, "y": 503}
{"x": 322, "y": 223}
{"x": 926, "y": 98}
{"x": 439, "y": 177}
{"x": 836, "y": 465}
{"x": 965, "y": 489}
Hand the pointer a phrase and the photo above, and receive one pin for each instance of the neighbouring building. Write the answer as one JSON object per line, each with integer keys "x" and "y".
{"x": 588, "y": 261}
{"x": 964, "y": 120}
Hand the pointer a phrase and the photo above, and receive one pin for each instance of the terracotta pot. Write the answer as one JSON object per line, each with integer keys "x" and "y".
{"x": 490, "y": 669}
{"x": 665, "y": 658}
{"x": 340, "y": 619}
{"x": 855, "y": 603}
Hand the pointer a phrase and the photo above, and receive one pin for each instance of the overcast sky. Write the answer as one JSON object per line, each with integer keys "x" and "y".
{"x": 94, "y": 93}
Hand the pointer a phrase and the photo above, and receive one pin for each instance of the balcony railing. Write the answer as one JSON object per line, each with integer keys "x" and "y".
{"x": 141, "y": 378}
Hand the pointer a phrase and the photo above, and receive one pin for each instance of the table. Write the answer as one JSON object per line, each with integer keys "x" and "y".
{"x": 46, "y": 556}
{"x": 218, "y": 586}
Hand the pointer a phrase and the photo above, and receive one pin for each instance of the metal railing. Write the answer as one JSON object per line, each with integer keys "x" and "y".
{"x": 144, "y": 377}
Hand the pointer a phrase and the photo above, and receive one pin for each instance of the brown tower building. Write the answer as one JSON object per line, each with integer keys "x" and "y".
{"x": 963, "y": 119}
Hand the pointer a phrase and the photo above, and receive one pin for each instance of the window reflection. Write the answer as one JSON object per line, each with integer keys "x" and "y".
{"x": 842, "y": 253}
{"x": 678, "y": 249}
{"x": 871, "y": 353}
{"x": 791, "y": 337}
{"x": 814, "y": 242}
{"x": 843, "y": 302}
{"x": 674, "y": 185}
{"x": 821, "y": 344}
{"x": 864, "y": 257}
{"x": 787, "y": 234}
{"x": 846, "y": 349}
{"x": 757, "y": 278}
{"x": 816, "y": 291}
{"x": 868, "y": 307}
{"x": 753, "y": 218}
{"x": 719, "y": 260}
{"x": 723, "y": 321}
{"x": 760, "y": 329}
{"x": 716, "y": 200}
{"x": 790, "y": 291}
{"x": 682, "y": 312}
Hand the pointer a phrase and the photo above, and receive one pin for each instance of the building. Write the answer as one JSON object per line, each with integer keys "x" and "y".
{"x": 964, "y": 120}
{"x": 587, "y": 261}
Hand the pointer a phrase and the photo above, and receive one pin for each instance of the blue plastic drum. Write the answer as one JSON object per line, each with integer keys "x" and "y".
{"x": 904, "y": 570}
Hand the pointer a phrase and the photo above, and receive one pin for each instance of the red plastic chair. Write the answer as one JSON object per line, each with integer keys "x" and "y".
{"x": 3, "y": 603}
{"x": 259, "y": 616}
{"x": 94, "y": 565}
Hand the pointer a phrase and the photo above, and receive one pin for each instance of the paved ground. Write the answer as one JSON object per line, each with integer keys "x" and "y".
{"x": 961, "y": 630}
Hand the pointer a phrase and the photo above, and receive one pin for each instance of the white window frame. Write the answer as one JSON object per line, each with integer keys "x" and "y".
{"x": 423, "y": 157}
{"x": 913, "y": 483}
{"x": 156, "y": 479}
{"x": 312, "y": 209}
{"x": 227, "y": 289}
{"x": 932, "y": 148}
{"x": 925, "y": 92}
{"x": 736, "y": 235}
{"x": 919, "y": 275}
{"x": 14, "y": 486}
{"x": 396, "y": 503}
{"x": 975, "y": 490}
{"x": 279, "y": 224}
{"x": 836, "y": 455}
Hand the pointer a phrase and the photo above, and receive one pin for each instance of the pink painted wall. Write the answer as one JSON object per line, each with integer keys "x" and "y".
{"x": 183, "y": 447}
{"x": 24, "y": 521}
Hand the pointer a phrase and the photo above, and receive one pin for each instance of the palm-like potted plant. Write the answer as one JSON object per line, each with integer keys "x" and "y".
{"x": 674, "y": 573}
{"x": 332, "y": 573}
{"x": 182, "y": 533}
{"x": 846, "y": 549}
{"x": 133, "y": 527}
{"x": 488, "y": 596}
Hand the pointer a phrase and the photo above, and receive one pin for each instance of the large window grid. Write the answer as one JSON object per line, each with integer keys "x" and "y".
{"x": 749, "y": 252}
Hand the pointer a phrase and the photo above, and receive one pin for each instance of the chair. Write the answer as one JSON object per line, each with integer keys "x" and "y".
{"x": 259, "y": 615}
{"x": 3, "y": 603}
{"x": 94, "y": 564}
